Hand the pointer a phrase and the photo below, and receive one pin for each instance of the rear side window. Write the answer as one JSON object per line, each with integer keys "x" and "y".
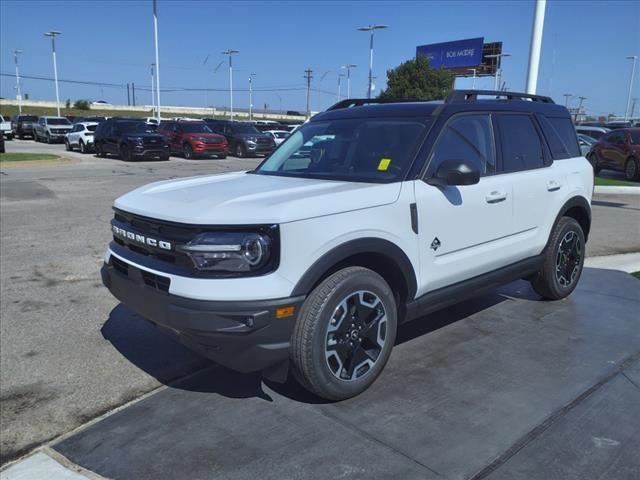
{"x": 521, "y": 146}
{"x": 470, "y": 138}
{"x": 567, "y": 133}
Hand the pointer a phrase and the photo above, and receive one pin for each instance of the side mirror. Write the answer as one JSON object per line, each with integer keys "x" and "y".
{"x": 455, "y": 172}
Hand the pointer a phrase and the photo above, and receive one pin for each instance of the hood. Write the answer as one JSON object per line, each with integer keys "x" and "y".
{"x": 242, "y": 198}
{"x": 248, "y": 135}
{"x": 205, "y": 135}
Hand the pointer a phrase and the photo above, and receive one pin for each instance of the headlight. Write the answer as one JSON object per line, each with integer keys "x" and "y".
{"x": 252, "y": 139}
{"x": 138, "y": 142}
{"x": 238, "y": 252}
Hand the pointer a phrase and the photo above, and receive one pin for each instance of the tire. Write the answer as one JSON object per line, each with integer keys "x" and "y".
{"x": 99, "y": 152}
{"x": 221, "y": 157}
{"x": 322, "y": 351}
{"x": 187, "y": 151}
{"x": 593, "y": 159}
{"x": 48, "y": 138}
{"x": 165, "y": 157}
{"x": 125, "y": 154}
{"x": 563, "y": 263}
{"x": 67, "y": 145}
{"x": 21, "y": 137}
{"x": 240, "y": 151}
{"x": 632, "y": 169}
{"x": 83, "y": 147}
{"x": 10, "y": 137}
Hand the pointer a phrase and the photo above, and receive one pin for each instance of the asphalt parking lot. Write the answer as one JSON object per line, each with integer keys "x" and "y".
{"x": 504, "y": 386}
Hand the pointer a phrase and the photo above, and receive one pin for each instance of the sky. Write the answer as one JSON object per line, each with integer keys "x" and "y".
{"x": 583, "y": 53}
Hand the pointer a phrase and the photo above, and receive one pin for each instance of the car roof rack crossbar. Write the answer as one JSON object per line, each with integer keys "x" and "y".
{"x": 358, "y": 102}
{"x": 472, "y": 96}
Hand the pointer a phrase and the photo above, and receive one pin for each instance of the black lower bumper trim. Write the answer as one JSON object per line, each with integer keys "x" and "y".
{"x": 242, "y": 335}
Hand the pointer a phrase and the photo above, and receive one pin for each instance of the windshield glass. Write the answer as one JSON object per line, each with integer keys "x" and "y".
{"x": 135, "y": 127}
{"x": 243, "y": 128}
{"x": 58, "y": 121}
{"x": 359, "y": 149}
{"x": 281, "y": 134}
{"x": 635, "y": 136}
{"x": 195, "y": 128}
{"x": 28, "y": 118}
{"x": 91, "y": 128}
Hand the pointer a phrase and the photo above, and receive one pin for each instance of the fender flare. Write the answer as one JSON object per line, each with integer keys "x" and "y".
{"x": 366, "y": 245}
{"x": 577, "y": 201}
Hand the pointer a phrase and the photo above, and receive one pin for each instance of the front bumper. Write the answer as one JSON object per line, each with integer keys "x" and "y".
{"x": 260, "y": 148}
{"x": 150, "y": 152}
{"x": 245, "y": 336}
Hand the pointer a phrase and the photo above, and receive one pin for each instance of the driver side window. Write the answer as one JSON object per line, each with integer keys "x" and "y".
{"x": 470, "y": 138}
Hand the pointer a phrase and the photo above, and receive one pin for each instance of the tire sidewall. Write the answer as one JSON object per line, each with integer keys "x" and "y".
{"x": 362, "y": 280}
{"x": 565, "y": 226}
{"x": 633, "y": 161}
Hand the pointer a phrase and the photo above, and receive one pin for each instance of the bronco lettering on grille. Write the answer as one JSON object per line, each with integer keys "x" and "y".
{"x": 142, "y": 239}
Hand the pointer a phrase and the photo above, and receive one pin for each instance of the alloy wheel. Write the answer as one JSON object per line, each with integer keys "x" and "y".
{"x": 356, "y": 335}
{"x": 568, "y": 259}
{"x": 631, "y": 169}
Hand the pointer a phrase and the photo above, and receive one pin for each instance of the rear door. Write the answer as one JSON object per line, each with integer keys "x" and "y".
{"x": 464, "y": 231}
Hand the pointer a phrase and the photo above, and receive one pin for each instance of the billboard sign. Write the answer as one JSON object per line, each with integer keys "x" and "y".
{"x": 458, "y": 54}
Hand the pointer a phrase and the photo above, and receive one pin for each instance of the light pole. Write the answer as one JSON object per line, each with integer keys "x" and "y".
{"x": 19, "y": 94}
{"x": 251, "y": 75}
{"x": 231, "y": 53}
{"x": 536, "y": 45}
{"x": 498, "y": 57}
{"x": 633, "y": 72}
{"x": 575, "y": 118}
{"x": 348, "y": 67}
{"x": 474, "y": 70}
{"x": 340, "y": 75}
{"x": 371, "y": 29}
{"x": 567, "y": 96}
{"x": 53, "y": 35}
{"x": 155, "y": 41}
{"x": 153, "y": 101}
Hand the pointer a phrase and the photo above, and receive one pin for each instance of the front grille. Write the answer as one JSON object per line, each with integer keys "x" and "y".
{"x": 120, "y": 266}
{"x": 153, "y": 142}
{"x": 213, "y": 141}
{"x": 152, "y": 280}
{"x": 264, "y": 141}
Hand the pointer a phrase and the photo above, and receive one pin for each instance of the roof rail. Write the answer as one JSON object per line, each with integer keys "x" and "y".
{"x": 358, "y": 102}
{"x": 472, "y": 96}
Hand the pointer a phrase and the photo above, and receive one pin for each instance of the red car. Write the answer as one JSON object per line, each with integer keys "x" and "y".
{"x": 618, "y": 150}
{"x": 193, "y": 139}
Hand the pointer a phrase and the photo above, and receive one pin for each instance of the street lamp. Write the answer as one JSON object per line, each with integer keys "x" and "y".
{"x": 231, "y": 53}
{"x": 498, "y": 57}
{"x": 155, "y": 41}
{"x": 567, "y": 96}
{"x": 348, "y": 67}
{"x": 474, "y": 70}
{"x": 371, "y": 29}
{"x": 15, "y": 59}
{"x": 633, "y": 72}
{"x": 251, "y": 75}
{"x": 153, "y": 90}
{"x": 340, "y": 75}
{"x": 53, "y": 35}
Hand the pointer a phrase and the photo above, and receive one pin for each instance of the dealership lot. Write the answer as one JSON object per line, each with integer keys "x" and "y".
{"x": 494, "y": 386}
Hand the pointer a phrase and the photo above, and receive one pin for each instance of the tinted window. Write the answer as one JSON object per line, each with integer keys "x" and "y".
{"x": 635, "y": 137}
{"x": 521, "y": 147}
{"x": 134, "y": 127}
{"x": 355, "y": 149}
{"x": 194, "y": 127}
{"x": 567, "y": 133}
{"x": 243, "y": 128}
{"x": 467, "y": 138}
{"x": 58, "y": 121}
{"x": 27, "y": 118}
{"x": 91, "y": 128}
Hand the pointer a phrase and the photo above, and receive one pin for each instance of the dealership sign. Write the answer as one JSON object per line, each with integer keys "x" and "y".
{"x": 461, "y": 53}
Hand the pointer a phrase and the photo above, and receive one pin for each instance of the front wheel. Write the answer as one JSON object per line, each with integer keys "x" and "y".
{"x": 83, "y": 147}
{"x": 344, "y": 334}
{"x": 632, "y": 169}
{"x": 593, "y": 159}
{"x": 48, "y": 138}
{"x": 187, "y": 151}
{"x": 563, "y": 262}
{"x": 125, "y": 154}
{"x": 240, "y": 151}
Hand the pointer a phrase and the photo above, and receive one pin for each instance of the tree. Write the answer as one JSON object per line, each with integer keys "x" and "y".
{"x": 81, "y": 105}
{"x": 415, "y": 79}
{"x": 67, "y": 104}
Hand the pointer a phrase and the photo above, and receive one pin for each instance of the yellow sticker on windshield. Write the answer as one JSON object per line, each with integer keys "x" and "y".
{"x": 384, "y": 164}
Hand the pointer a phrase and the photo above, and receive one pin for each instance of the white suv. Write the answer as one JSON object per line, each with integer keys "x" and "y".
{"x": 81, "y": 137}
{"x": 371, "y": 214}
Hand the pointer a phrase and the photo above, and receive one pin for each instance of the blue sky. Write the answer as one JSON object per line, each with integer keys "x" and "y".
{"x": 584, "y": 46}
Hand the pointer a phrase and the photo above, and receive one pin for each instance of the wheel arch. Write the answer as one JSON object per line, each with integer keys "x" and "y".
{"x": 579, "y": 209}
{"x": 379, "y": 255}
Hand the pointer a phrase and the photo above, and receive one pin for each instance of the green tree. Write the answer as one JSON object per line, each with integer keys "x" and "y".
{"x": 81, "y": 105}
{"x": 67, "y": 104}
{"x": 415, "y": 79}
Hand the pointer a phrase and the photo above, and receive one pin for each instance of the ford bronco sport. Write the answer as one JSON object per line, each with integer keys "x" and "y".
{"x": 370, "y": 215}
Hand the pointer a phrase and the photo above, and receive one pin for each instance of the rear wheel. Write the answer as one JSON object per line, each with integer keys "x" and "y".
{"x": 83, "y": 147}
{"x": 187, "y": 151}
{"x": 564, "y": 259}
{"x": 67, "y": 145}
{"x": 632, "y": 169}
{"x": 344, "y": 334}
{"x": 593, "y": 159}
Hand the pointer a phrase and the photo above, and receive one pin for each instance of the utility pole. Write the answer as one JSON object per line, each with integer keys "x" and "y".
{"x": 371, "y": 29}
{"x": 155, "y": 41}
{"x": 128, "y": 96}
{"x": 231, "y": 53}
{"x": 536, "y": 45}
{"x": 19, "y": 94}
{"x": 133, "y": 93}
{"x": 567, "y": 96}
{"x": 633, "y": 107}
{"x": 251, "y": 75}
{"x": 340, "y": 75}
{"x": 153, "y": 102}
{"x": 582, "y": 99}
{"x": 633, "y": 72}
{"x": 308, "y": 76}
{"x": 348, "y": 67}
{"x": 53, "y": 35}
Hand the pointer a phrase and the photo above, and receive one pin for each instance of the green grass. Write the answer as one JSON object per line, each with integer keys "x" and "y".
{"x": 636, "y": 274}
{"x": 612, "y": 182}
{"x": 26, "y": 157}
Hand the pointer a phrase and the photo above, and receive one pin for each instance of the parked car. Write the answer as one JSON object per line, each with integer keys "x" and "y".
{"x": 23, "y": 125}
{"x": 2, "y": 148}
{"x": 402, "y": 209}
{"x": 244, "y": 139}
{"x": 5, "y": 127}
{"x": 585, "y": 142}
{"x": 618, "y": 150}
{"x": 130, "y": 138}
{"x": 81, "y": 137}
{"x": 193, "y": 139}
{"x": 51, "y": 129}
{"x": 594, "y": 132}
{"x": 279, "y": 136}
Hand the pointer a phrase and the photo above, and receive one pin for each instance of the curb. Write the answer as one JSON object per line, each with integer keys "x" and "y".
{"x": 608, "y": 190}
{"x": 627, "y": 262}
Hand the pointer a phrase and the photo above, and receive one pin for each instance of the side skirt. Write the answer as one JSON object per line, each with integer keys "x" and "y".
{"x": 452, "y": 294}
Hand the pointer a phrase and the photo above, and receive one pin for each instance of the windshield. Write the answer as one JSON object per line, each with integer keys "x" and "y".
{"x": 281, "y": 134}
{"x": 135, "y": 127}
{"x": 58, "y": 121}
{"x": 635, "y": 136}
{"x": 28, "y": 118}
{"x": 243, "y": 128}
{"x": 195, "y": 128}
{"x": 367, "y": 150}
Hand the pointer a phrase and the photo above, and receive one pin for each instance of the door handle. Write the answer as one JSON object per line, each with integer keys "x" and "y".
{"x": 496, "y": 197}
{"x": 552, "y": 185}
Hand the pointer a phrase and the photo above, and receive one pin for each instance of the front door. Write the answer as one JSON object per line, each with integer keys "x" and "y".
{"x": 464, "y": 231}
